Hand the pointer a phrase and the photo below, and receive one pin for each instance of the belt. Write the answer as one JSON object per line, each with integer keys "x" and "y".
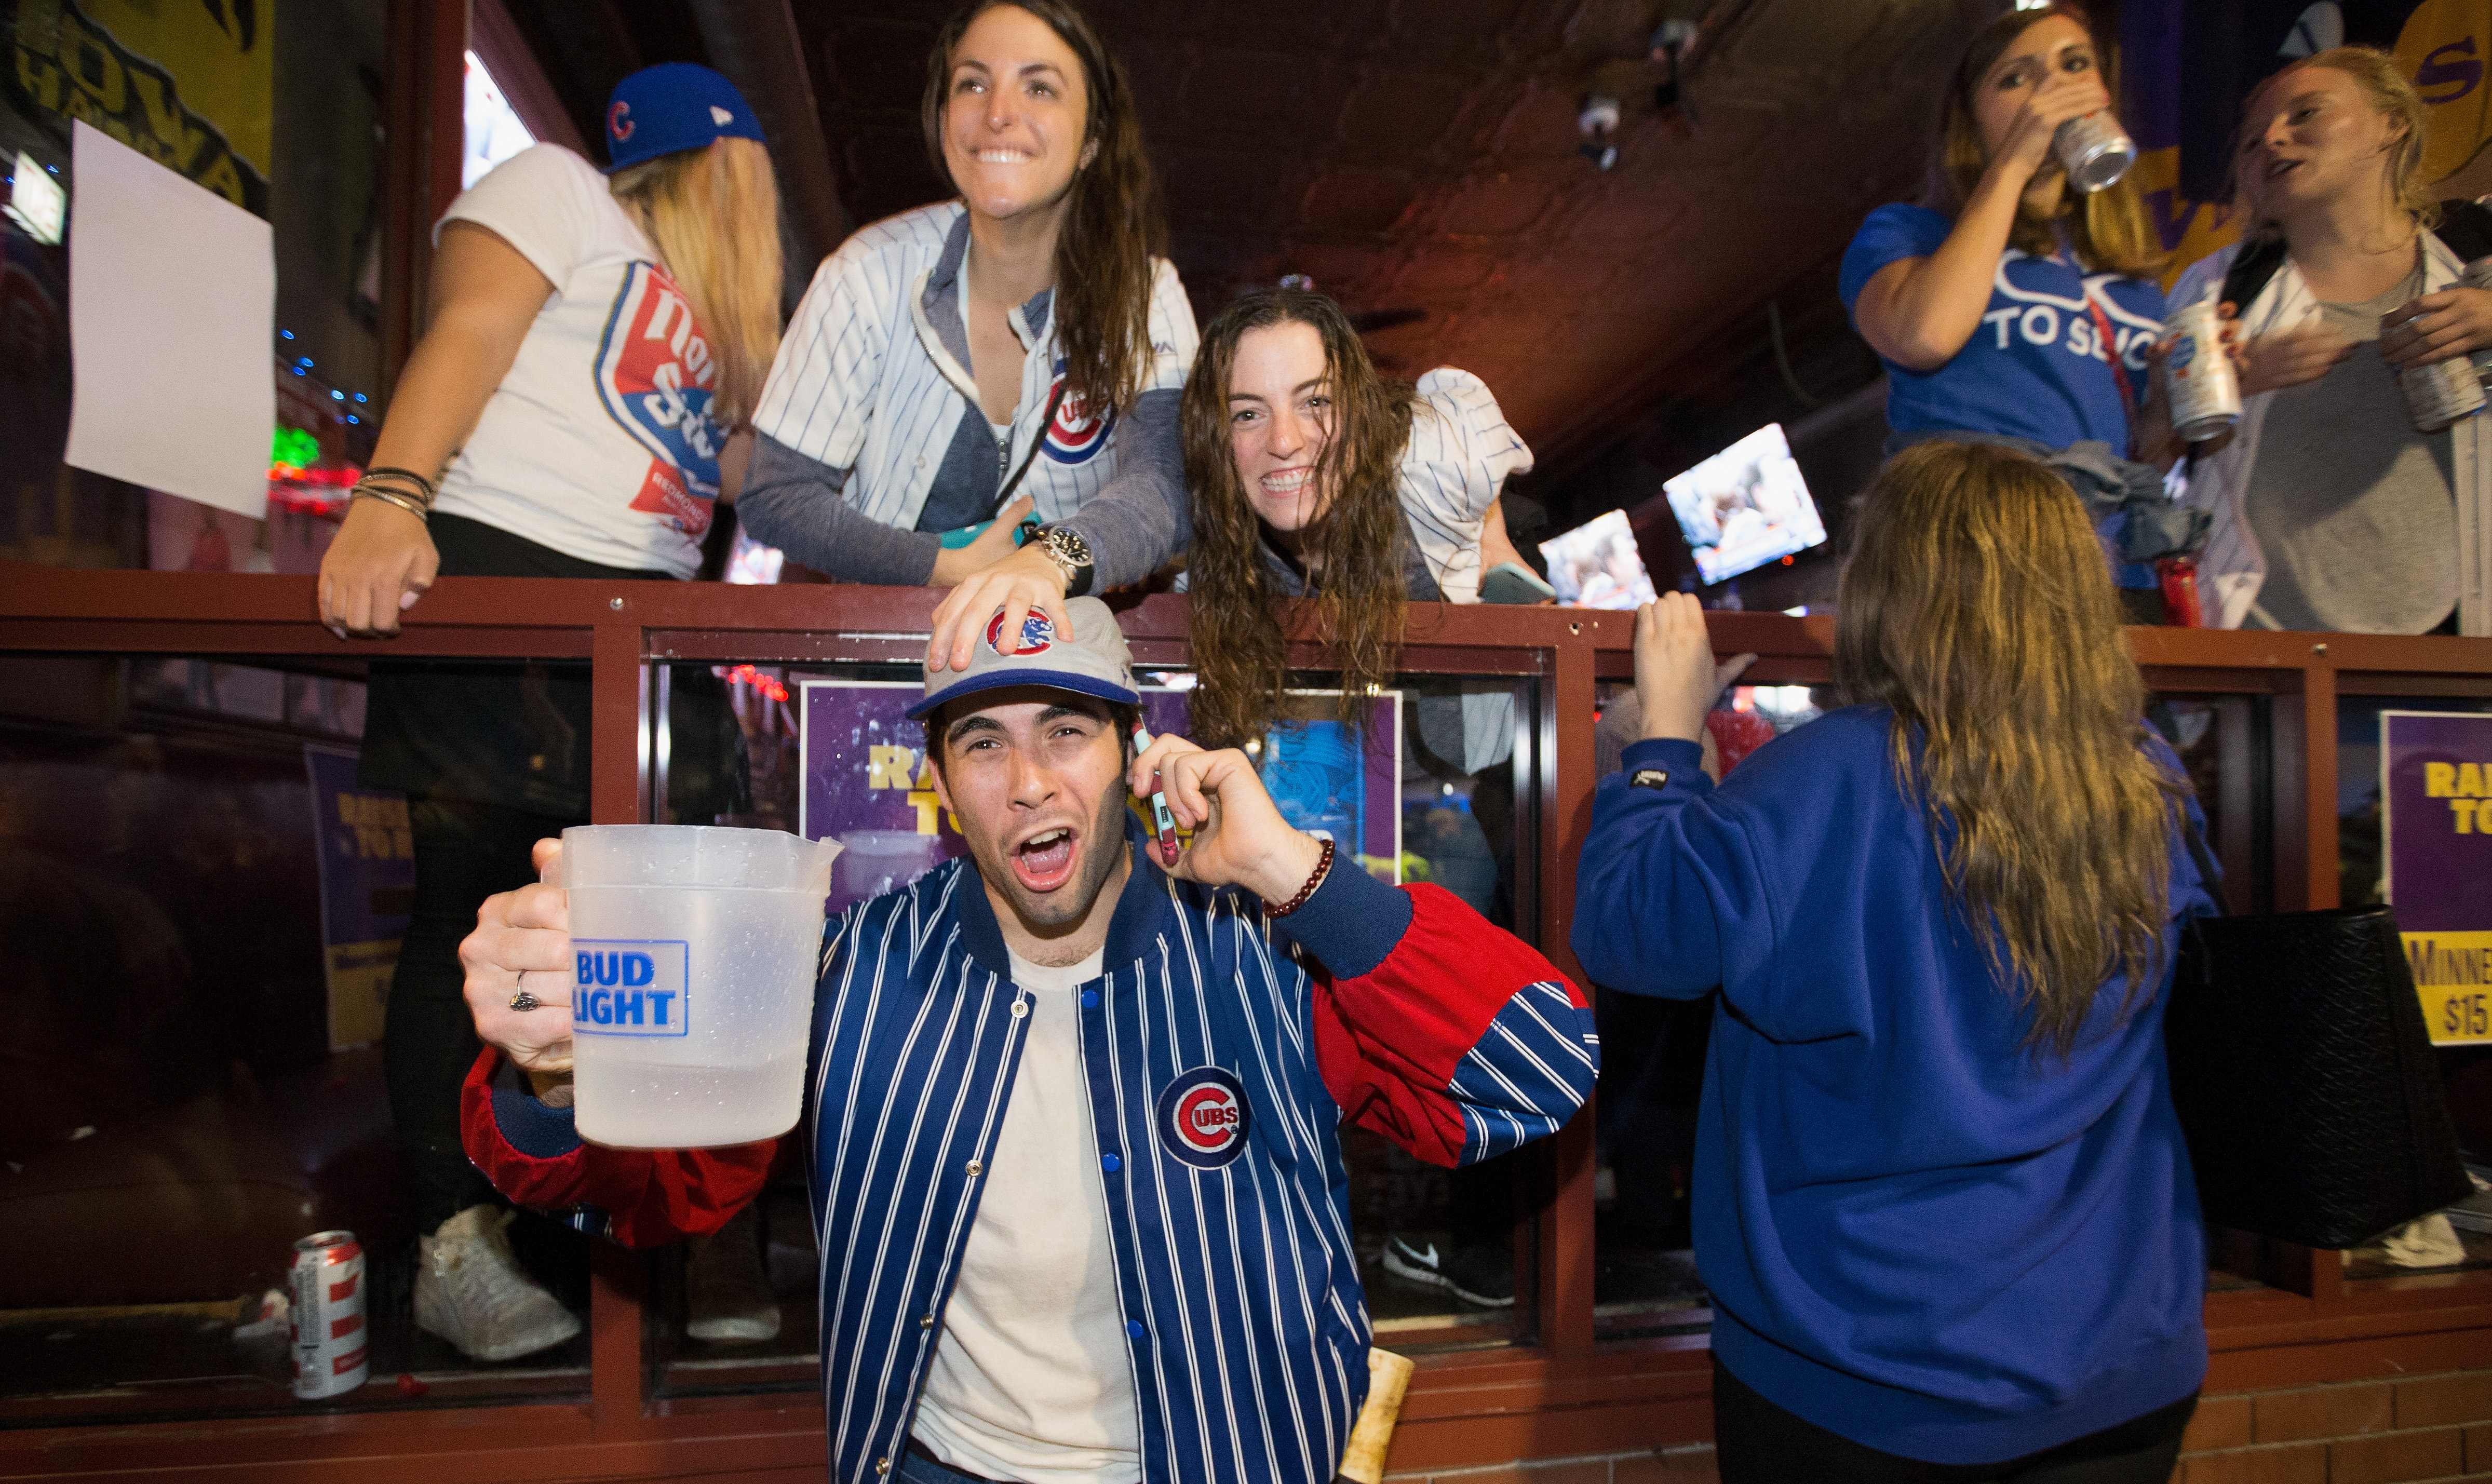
{"x": 918, "y": 1449}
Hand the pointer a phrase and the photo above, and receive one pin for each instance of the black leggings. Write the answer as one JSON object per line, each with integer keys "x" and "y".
{"x": 463, "y": 853}
{"x": 1758, "y": 1442}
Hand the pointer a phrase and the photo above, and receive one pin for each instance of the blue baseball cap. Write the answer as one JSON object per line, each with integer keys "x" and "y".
{"x": 674, "y": 105}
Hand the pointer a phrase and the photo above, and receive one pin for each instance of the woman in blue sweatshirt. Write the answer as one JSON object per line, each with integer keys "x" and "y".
{"x": 1942, "y": 1199}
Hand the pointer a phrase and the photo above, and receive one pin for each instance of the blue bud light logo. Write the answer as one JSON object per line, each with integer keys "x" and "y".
{"x": 630, "y": 987}
{"x": 2184, "y": 349}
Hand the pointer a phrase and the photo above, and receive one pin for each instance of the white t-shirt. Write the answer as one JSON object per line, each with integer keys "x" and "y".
{"x": 1031, "y": 1377}
{"x": 599, "y": 442}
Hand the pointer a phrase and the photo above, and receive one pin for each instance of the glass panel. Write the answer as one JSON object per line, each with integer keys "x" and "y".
{"x": 1452, "y": 812}
{"x": 278, "y": 109}
{"x": 204, "y": 907}
{"x": 1652, "y": 1064}
{"x": 2458, "y": 1002}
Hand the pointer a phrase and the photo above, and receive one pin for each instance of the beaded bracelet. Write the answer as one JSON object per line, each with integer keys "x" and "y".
{"x": 1323, "y": 868}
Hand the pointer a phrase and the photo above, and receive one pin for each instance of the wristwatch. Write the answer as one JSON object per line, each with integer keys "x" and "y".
{"x": 1649, "y": 778}
{"x": 1071, "y": 556}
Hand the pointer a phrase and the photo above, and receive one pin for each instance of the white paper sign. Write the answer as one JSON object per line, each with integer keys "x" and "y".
{"x": 172, "y": 302}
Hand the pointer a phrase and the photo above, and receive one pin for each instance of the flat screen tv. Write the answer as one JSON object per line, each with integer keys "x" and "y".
{"x": 1596, "y": 565}
{"x": 1746, "y": 506}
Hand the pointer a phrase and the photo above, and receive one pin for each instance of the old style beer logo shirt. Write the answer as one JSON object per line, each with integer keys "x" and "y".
{"x": 599, "y": 442}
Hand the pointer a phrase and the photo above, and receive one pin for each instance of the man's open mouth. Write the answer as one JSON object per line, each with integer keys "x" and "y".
{"x": 1044, "y": 861}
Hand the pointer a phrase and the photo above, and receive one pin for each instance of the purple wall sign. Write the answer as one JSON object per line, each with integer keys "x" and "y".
{"x": 367, "y": 886}
{"x": 866, "y": 781}
{"x": 2436, "y": 823}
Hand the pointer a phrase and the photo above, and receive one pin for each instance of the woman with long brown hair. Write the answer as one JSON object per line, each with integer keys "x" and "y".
{"x": 2007, "y": 304}
{"x": 1942, "y": 1200}
{"x": 1314, "y": 476}
{"x": 2330, "y": 510}
{"x": 595, "y": 341}
{"x": 1013, "y": 352}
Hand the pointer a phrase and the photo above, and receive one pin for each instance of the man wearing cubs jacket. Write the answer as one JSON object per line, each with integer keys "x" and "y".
{"x": 1074, "y": 1104}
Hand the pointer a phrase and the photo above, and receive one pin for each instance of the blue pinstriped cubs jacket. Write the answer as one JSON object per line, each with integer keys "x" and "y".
{"x": 1220, "y": 1063}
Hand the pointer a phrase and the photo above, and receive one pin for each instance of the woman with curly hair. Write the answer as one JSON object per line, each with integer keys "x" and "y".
{"x": 1315, "y": 476}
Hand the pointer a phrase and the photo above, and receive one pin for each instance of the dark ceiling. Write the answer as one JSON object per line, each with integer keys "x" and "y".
{"x": 1418, "y": 158}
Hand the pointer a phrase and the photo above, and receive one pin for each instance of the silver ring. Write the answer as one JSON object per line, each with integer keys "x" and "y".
{"x": 524, "y": 1001}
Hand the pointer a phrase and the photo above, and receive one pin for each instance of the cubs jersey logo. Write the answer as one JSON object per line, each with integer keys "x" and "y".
{"x": 1037, "y": 634}
{"x": 656, "y": 375}
{"x": 1073, "y": 435}
{"x": 1203, "y": 1117}
{"x": 618, "y": 121}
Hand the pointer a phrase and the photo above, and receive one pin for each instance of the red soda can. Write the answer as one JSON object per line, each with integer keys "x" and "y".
{"x": 330, "y": 1357}
{"x": 2181, "y": 606}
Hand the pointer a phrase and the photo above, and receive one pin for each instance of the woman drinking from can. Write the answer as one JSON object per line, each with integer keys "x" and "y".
{"x": 2012, "y": 306}
{"x": 1016, "y": 350}
{"x": 2332, "y": 508}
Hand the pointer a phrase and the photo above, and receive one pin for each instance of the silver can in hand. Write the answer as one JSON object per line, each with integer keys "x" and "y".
{"x": 2094, "y": 151}
{"x": 2479, "y": 275}
{"x": 2205, "y": 385}
{"x": 2440, "y": 392}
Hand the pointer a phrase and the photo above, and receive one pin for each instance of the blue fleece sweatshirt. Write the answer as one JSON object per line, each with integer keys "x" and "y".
{"x": 1917, "y": 1235}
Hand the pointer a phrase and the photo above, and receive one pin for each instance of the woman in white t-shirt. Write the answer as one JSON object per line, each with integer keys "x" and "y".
{"x": 1014, "y": 351}
{"x": 594, "y": 339}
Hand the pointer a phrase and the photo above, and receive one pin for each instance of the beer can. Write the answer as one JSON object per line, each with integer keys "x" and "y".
{"x": 2205, "y": 386}
{"x": 2479, "y": 275}
{"x": 2094, "y": 151}
{"x": 2440, "y": 392}
{"x": 327, "y": 1288}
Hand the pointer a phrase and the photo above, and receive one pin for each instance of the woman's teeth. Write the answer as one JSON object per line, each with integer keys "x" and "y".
{"x": 1286, "y": 482}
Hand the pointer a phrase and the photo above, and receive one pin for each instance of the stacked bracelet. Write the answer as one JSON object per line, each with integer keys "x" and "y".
{"x": 1323, "y": 868}
{"x": 405, "y": 489}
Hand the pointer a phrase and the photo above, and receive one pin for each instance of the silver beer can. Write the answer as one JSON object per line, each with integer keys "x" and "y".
{"x": 2094, "y": 151}
{"x": 331, "y": 1356}
{"x": 2205, "y": 386}
{"x": 2479, "y": 275}
{"x": 2440, "y": 392}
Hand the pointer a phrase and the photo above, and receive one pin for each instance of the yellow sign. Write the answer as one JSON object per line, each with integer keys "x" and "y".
{"x": 188, "y": 83}
{"x": 2453, "y": 973}
{"x": 2443, "y": 49}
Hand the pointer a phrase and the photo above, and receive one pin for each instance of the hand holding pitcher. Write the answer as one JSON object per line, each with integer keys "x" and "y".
{"x": 520, "y": 970}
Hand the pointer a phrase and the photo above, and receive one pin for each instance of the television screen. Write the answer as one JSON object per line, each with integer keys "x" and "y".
{"x": 1746, "y": 506}
{"x": 1596, "y": 566}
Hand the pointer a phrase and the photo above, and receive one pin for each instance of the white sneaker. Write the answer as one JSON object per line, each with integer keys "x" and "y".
{"x": 472, "y": 1293}
{"x": 729, "y": 1296}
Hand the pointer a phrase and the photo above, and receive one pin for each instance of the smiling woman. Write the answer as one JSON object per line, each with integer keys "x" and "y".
{"x": 1013, "y": 353}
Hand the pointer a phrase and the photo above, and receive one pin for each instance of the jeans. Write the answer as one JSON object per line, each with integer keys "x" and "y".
{"x": 1758, "y": 1442}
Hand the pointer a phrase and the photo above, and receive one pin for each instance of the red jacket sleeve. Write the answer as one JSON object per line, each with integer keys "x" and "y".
{"x": 641, "y": 1198}
{"x": 1452, "y": 1038}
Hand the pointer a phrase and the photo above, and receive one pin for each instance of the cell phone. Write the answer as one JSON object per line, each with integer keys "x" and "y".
{"x": 1513, "y": 583}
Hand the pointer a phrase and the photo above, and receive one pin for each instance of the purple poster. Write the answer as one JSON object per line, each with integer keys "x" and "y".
{"x": 867, "y": 780}
{"x": 2435, "y": 794}
{"x": 367, "y": 886}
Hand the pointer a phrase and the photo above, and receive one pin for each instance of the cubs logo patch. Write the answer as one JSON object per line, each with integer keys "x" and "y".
{"x": 1037, "y": 634}
{"x": 1073, "y": 435}
{"x": 1203, "y": 1117}
{"x": 618, "y": 121}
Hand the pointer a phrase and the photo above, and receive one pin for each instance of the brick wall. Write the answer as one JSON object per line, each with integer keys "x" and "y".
{"x": 2435, "y": 1428}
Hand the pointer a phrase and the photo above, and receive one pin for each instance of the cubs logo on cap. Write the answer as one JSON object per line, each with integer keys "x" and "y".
{"x": 618, "y": 121}
{"x": 1037, "y": 634}
{"x": 1203, "y": 1117}
{"x": 1084, "y": 654}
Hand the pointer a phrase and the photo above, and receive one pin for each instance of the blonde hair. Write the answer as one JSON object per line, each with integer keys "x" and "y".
{"x": 713, "y": 216}
{"x": 2378, "y": 76}
{"x": 1977, "y": 607}
{"x": 2108, "y": 227}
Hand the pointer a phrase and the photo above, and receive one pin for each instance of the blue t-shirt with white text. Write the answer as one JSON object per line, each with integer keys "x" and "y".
{"x": 2033, "y": 368}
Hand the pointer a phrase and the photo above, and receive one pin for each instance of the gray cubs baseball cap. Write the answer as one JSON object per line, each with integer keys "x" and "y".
{"x": 1096, "y": 664}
